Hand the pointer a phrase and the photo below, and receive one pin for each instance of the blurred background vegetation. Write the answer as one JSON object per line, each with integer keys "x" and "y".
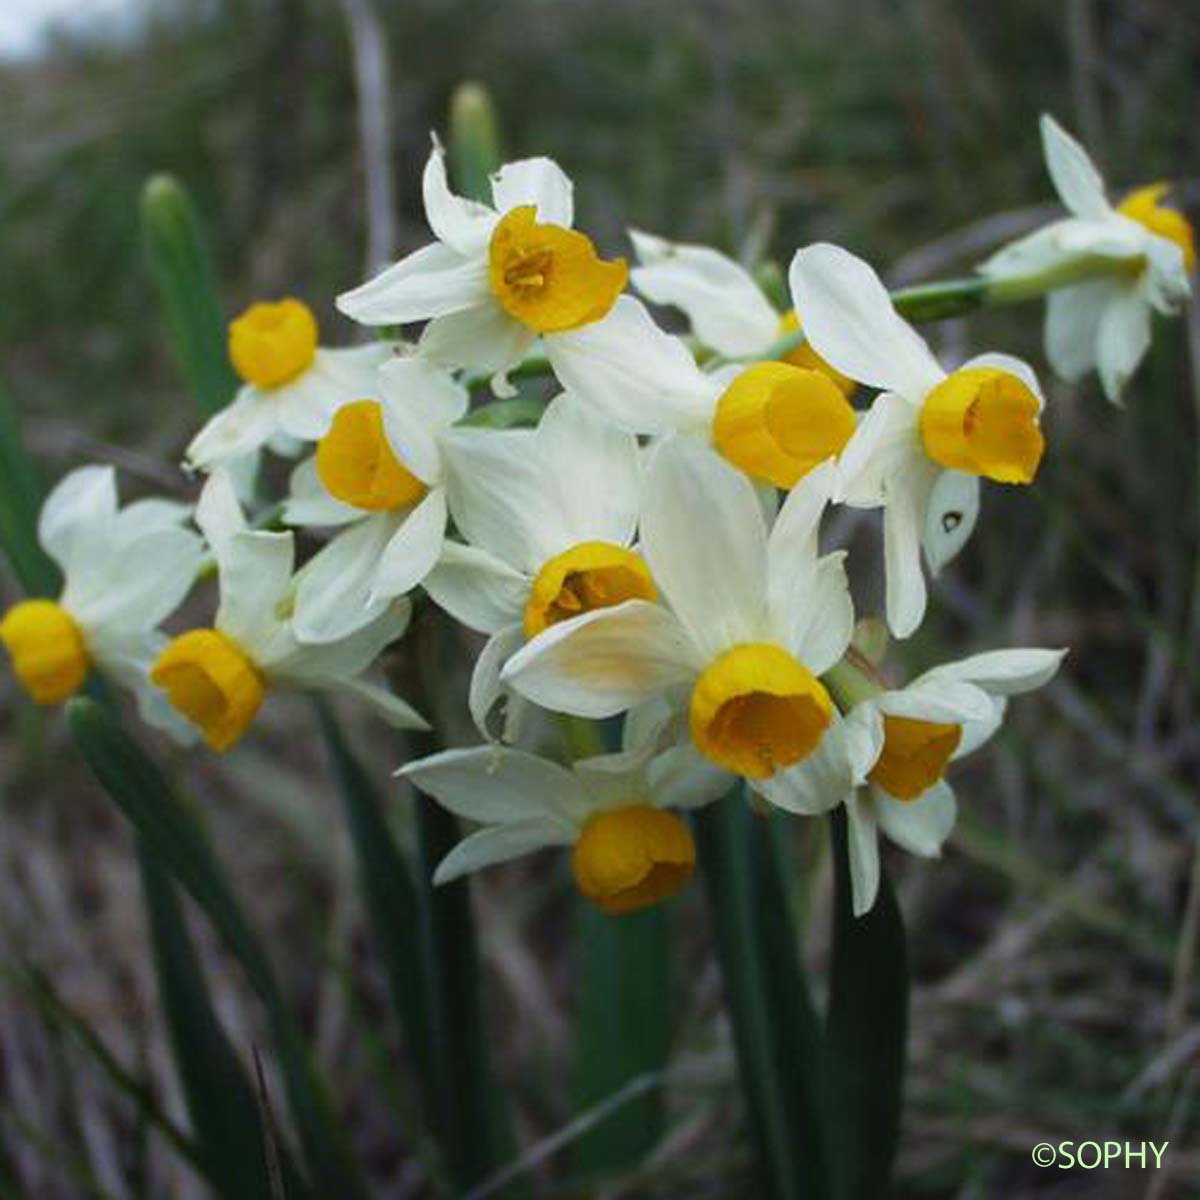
{"x": 1056, "y": 987}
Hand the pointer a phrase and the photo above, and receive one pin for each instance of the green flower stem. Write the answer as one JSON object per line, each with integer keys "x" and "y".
{"x": 474, "y": 140}
{"x": 849, "y": 685}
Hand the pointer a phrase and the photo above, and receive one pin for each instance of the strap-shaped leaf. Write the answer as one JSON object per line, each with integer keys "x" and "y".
{"x": 865, "y": 1034}
{"x": 20, "y": 503}
{"x": 474, "y": 141}
{"x": 171, "y": 833}
{"x": 182, "y": 268}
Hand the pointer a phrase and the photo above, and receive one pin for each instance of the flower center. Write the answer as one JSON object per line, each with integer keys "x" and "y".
{"x": 273, "y": 342}
{"x": 630, "y": 858}
{"x": 1143, "y": 207}
{"x": 588, "y": 576}
{"x": 805, "y": 356}
{"x": 550, "y": 278}
{"x": 210, "y": 679}
{"x": 984, "y": 421}
{"x": 776, "y": 422}
{"x": 357, "y": 465}
{"x": 915, "y": 754}
{"x": 757, "y": 708}
{"x": 47, "y": 650}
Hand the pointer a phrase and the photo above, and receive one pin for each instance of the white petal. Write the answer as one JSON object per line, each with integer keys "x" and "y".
{"x": 431, "y": 282}
{"x": 309, "y": 504}
{"x": 483, "y": 337}
{"x": 819, "y": 622}
{"x": 486, "y": 690}
{"x": 920, "y": 826}
{"x": 939, "y": 699}
{"x": 333, "y": 589}
{"x": 862, "y": 844}
{"x": 605, "y": 661}
{"x": 255, "y": 575}
{"x": 950, "y": 517}
{"x": 495, "y": 785}
{"x": 977, "y": 733}
{"x": 1165, "y": 283}
{"x": 331, "y": 664}
{"x": 1042, "y": 250}
{"x": 828, "y": 776}
{"x": 306, "y": 406}
{"x": 218, "y": 513}
{"x": 1122, "y": 340}
{"x": 886, "y": 438}
{"x": 681, "y": 777}
{"x": 1003, "y": 672}
{"x": 1073, "y": 327}
{"x": 537, "y": 181}
{"x": 389, "y": 707}
{"x": 794, "y": 534}
{"x": 78, "y": 520}
{"x": 464, "y": 225}
{"x": 413, "y": 548}
{"x": 633, "y": 374}
{"x": 592, "y": 472}
{"x": 704, "y": 538}
{"x": 848, "y": 317}
{"x": 149, "y": 516}
{"x": 412, "y": 436}
{"x": 903, "y": 524}
{"x": 476, "y": 588}
{"x": 499, "y": 497}
{"x": 425, "y": 388}
{"x": 239, "y": 429}
{"x": 726, "y": 308}
{"x": 503, "y": 843}
{"x": 1075, "y": 177}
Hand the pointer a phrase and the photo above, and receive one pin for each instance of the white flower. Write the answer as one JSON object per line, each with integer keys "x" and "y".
{"x": 754, "y": 620}
{"x": 219, "y": 677}
{"x": 550, "y": 517}
{"x": 124, "y": 571}
{"x": 291, "y": 386}
{"x": 497, "y": 277}
{"x": 1101, "y": 324}
{"x": 378, "y": 471}
{"x": 629, "y": 851}
{"x": 940, "y": 717}
{"x": 929, "y": 436}
{"x": 774, "y": 421}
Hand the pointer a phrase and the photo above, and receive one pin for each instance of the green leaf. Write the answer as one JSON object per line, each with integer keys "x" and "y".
{"x": 223, "y": 1107}
{"x": 182, "y": 268}
{"x": 865, "y": 1034}
{"x": 775, "y": 1029}
{"x": 173, "y": 835}
{"x": 391, "y": 902}
{"x": 622, "y": 1031}
{"x": 471, "y": 1117}
{"x": 20, "y": 504}
{"x": 474, "y": 141}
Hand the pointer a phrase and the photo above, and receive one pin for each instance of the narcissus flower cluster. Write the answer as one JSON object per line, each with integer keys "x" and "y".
{"x": 651, "y": 548}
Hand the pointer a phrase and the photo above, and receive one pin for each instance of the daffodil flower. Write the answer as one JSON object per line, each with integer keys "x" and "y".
{"x": 218, "y": 677}
{"x": 727, "y": 309}
{"x": 629, "y": 850}
{"x": 754, "y": 620}
{"x": 291, "y": 387}
{"x": 939, "y": 718}
{"x": 1103, "y": 323}
{"x": 549, "y": 516}
{"x": 929, "y": 437}
{"x": 498, "y": 276}
{"x": 378, "y": 472}
{"x": 774, "y": 421}
{"x": 124, "y": 571}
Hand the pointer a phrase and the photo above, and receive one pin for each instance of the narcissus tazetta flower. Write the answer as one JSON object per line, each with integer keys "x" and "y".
{"x": 940, "y": 717}
{"x": 124, "y": 572}
{"x": 550, "y": 517}
{"x": 378, "y": 471}
{"x": 1103, "y": 323}
{"x": 754, "y": 620}
{"x": 218, "y": 677}
{"x": 774, "y": 421}
{"x": 291, "y": 387}
{"x": 499, "y": 276}
{"x": 629, "y": 849}
{"x": 929, "y": 437}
